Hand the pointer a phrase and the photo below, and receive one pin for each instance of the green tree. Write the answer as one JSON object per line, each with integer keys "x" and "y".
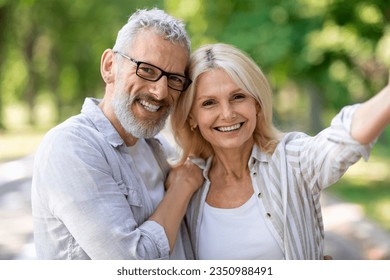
{"x": 54, "y": 49}
{"x": 327, "y": 51}
{"x": 324, "y": 53}
{"x": 5, "y": 10}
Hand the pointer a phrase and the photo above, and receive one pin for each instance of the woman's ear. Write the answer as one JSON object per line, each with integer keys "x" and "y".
{"x": 106, "y": 66}
{"x": 193, "y": 124}
{"x": 258, "y": 109}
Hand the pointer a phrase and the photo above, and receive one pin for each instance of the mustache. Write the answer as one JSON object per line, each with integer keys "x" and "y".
{"x": 147, "y": 97}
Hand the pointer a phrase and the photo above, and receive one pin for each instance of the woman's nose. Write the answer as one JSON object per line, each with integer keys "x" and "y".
{"x": 228, "y": 112}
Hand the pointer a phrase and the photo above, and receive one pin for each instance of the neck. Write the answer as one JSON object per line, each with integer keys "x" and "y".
{"x": 129, "y": 139}
{"x": 232, "y": 162}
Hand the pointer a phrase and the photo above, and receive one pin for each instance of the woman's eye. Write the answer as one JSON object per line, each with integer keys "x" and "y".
{"x": 207, "y": 103}
{"x": 238, "y": 96}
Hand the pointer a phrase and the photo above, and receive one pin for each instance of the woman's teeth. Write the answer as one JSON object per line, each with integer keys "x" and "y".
{"x": 148, "y": 106}
{"x": 229, "y": 128}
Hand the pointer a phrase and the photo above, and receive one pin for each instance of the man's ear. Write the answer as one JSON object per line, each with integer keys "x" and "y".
{"x": 106, "y": 66}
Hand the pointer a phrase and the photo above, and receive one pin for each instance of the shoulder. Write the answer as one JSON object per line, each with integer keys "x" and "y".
{"x": 292, "y": 139}
{"x": 74, "y": 127}
{"x": 68, "y": 137}
{"x": 168, "y": 146}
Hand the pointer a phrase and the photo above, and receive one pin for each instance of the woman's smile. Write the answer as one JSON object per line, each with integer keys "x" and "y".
{"x": 230, "y": 128}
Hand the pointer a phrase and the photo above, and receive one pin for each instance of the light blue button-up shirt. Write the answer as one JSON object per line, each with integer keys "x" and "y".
{"x": 86, "y": 201}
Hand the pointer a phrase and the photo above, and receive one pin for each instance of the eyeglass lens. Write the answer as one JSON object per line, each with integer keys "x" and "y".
{"x": 152, "y": 73}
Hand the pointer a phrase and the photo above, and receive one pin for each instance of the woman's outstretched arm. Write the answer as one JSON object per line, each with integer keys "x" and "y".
{"x": 372, "y": 117}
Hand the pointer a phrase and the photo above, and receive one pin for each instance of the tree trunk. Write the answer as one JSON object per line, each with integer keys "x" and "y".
{"x": 4, "y": 11}
{"x": 54, "y": 83}
{"x": 316, "y": 107}
{"x": 31, "y": 88}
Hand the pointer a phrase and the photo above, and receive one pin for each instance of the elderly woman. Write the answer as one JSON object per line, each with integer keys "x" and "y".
{"x": 261, "y": 194}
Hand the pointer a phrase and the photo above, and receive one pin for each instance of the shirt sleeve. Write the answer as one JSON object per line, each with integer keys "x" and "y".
{"x": 76, "y": 182}
{"x": 324, "y": 158}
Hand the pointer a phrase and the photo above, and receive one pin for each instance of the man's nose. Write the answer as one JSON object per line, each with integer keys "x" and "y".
{"x": 160, "y": 88}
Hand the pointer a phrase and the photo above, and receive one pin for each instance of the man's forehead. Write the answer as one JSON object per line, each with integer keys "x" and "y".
{"x": 153, "y": 48}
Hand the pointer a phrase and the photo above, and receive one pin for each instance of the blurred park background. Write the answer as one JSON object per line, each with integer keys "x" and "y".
{"x": 319, "y": 56}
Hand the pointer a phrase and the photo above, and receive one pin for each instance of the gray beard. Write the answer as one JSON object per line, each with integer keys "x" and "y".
{"x": 121, "y": 103}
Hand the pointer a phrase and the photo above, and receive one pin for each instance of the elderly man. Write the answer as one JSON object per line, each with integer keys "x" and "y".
{"x": 98, "y": 183}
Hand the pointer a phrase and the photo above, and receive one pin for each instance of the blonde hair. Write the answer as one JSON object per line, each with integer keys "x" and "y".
{"x": 247, "y": 75}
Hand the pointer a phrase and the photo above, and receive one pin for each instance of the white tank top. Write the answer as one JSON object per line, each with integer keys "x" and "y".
{"x": 237, "y": 234}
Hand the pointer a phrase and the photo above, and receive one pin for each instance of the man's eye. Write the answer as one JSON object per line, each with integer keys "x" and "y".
{"x": 147, "y": 70}
{"x": 176, "y": 79}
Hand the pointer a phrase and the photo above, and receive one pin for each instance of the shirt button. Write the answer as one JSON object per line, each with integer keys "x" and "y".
{"x": 260, "y": 195}
{"x": 254, "y": 173}
{"x": 269, "y": 215}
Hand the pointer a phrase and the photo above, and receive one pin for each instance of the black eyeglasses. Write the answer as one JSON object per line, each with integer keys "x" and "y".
{"x": 152, "y": 73}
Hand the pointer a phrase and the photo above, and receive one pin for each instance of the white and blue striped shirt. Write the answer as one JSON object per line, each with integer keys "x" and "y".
{"x": 289, "y": 183}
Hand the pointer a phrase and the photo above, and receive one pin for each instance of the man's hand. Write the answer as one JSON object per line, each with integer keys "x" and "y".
{"x": 181, "y": 184}
{"x": 187, "y": 175}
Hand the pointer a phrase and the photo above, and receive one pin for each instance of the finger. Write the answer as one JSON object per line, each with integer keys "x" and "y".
{"x": 197, "y": 161}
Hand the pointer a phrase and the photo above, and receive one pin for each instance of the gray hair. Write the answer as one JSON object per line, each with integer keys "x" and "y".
{"x": 171, "y": 28}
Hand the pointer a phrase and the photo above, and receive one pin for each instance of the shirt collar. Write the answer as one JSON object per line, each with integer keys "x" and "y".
{"x": 256, "y": 156}
{"x": 202, "y": 164}
{"x": 103, "y": 125}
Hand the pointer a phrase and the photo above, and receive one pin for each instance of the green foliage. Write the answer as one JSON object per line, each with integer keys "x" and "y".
{"x": 331, "y": 53}
{"x": 334, "y": 47}
{"x": 55, "y": 47}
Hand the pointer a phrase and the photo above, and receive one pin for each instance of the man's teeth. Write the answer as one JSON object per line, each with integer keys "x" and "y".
{"x": 148, "y": 106}
{"x": 229, "y": 128}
